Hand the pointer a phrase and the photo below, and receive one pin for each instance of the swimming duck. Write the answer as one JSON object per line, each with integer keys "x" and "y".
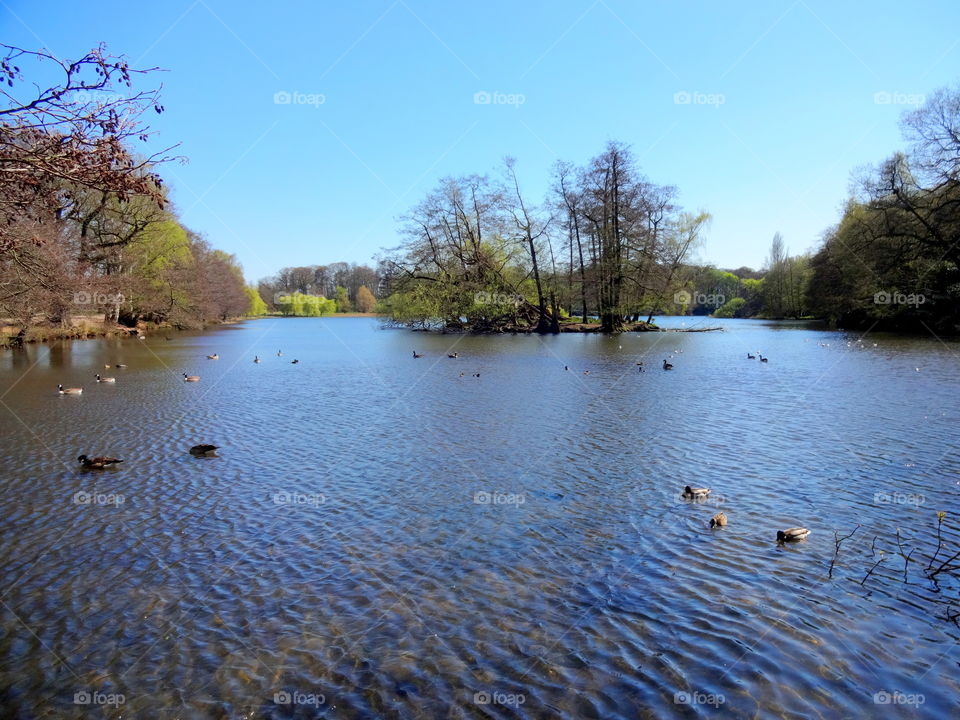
{"x": 202, "y": 449}
{"x": 453, "y": 355}
{"x": 666, "y": 365}
{"x": 417, "y": 355}
{"x": 191, "y": 378}
{"x": 792, "y": 534}
{"x": 120, "y": 365}
{"x": 69, "y": 391}
{"x": 719, "y": 520}
{"x": 103, "y": 379}
{"x": 751, "y": 357}
{"x": 215, "y": 356}
{"x": 97, "y": 463}
{"x": 294, "y": 362}
{"x": 696, "y": 492}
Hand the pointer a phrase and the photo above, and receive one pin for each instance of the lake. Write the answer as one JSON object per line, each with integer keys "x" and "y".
{"x": 384, "y": 536}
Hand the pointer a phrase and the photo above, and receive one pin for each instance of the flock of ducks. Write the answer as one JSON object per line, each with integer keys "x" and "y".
{"x": 103, "y": 461}
{"x": 720, "y": 519}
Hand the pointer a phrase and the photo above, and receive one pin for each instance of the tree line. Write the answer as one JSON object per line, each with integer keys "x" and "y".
{"x": 607, "y": 244}
{"x": 315, "y": 290}
{"x": 86, "y": 226}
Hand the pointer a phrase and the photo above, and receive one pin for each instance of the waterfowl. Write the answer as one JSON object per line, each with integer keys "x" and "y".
{"x": 103, "y": 379}
{"x": 107, "y": 367}
{"x": 477, "y": 375}
{"x": 696, "y": 492}
{"x": 453, "y": 355}
{"x": 256, "y": 358}
{"x": 666, "y": 365}
{"x": 763, "y": 359}
{"x": 191, "y": 378}
{"x": 719, "y": 520}
{"x": 120, "y": 365}
{"x": 97, "y": 463}
{"x": 792, "y": 534}
{"x": 69, "y": 391}
{"x": 215, "y": 356}
{"x": 294, "y": 362}
{"x": 141, "y": 337}
{"x": 202, "y": 449}
{"x": 567, "y": 368}
{"x": 279, "y": 353}
{"x": 417, "y": 355}
{"x": 751, "y": 357}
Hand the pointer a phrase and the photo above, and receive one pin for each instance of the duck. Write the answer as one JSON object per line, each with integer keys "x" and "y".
{"x": 279, "y": 353}
{"x": 107, "y": 367}
{"x": 719, "y": 520}
{"x": 453, "y": 356}
{"x": 103, "y": 379}
{"x": 696, "y": 492}
{"x": 294, "y": 362}
{"x": 666, "y": 365}
{"x": 120, "y": 365}
{"x": 256, "y": 358}
{"x": 417, "y": 355}
{"x": 751, "y": 357}
{"x": 792, "y": 534}
{"x": 97, "y": 463}
{"x": 202, "y": 449}
{"x": 477, "y": 375}
{"x": 191, "y": 378}
{"x": 215, "y": 356}
{"x": 69, "y": 391}
{"x": 763, "y": 359}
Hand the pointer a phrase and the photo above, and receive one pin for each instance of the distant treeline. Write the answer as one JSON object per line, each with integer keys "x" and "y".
{"x": 87, "y": 229}
{"x": 315, "y": 290}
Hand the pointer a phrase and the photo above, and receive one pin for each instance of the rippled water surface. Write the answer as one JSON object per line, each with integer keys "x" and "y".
{"x": 381, "y": 536}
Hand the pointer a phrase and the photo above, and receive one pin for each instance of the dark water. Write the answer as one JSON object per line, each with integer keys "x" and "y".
{"x": 380, "y": 537}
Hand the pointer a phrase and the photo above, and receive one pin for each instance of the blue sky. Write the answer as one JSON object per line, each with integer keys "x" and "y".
{"x": 757, "y": 111}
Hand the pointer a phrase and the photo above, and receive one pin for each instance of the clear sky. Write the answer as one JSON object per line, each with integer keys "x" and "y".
{"x": 781, "y": 104}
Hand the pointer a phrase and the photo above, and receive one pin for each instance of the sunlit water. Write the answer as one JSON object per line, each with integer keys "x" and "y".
{"x": 383, "y": 537}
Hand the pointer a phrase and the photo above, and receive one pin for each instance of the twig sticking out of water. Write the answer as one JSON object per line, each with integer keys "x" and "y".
{"x": 836, "y": 541}
{"x": 906, "y": 558}
{"x": 940, "y": 516}
{"x": 870, "y": 571}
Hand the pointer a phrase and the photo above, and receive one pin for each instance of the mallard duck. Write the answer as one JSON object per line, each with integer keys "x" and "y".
{"x": 203, "y": 449}
{"x": 417, "y": 355}
{"x": 666, "y": 365}
{"x": 294, "y": 362}
{"x": 719, "y": 520}
{"x": 256, "y": 358}
{"x": 103, "y": 379}
{"x": 453, "y": 356}
{"x": 191, "y": 378}
{"x": 751, "y": 357}
{"x": 792, "y": 534}
{"x": 696, "y": 492}
{"x": 69, "y": 391}
{"x": 215, "y": 356}
{"x": 97, "y": 463}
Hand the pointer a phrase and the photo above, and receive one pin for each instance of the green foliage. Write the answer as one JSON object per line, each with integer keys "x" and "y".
{"x": 731, "y": 309}
{"x": 301, "y": 305}
{"x": 257, "y": 306}
{"x": 343, "y": 300}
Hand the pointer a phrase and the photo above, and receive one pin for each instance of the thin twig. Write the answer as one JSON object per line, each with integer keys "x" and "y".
{"x": 836, "y": 541}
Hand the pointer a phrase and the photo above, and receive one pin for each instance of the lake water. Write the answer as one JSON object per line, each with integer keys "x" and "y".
{"x": 383, "y": 537}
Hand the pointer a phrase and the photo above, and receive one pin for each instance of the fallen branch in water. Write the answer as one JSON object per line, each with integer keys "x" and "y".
{"x": 836, "y": 541}
{"x": 870, "y": 571}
